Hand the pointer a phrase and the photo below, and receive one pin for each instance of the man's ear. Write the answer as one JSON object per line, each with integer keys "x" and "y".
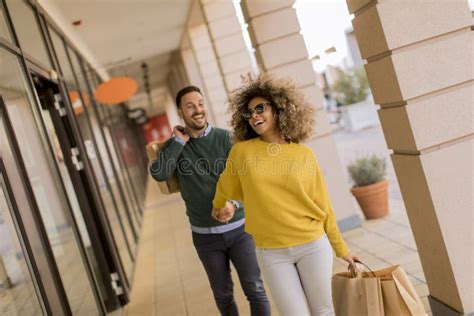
{"x": 180, "y": 113}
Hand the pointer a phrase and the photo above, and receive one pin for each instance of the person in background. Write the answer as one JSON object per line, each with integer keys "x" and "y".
{"x": 287, "y": 207}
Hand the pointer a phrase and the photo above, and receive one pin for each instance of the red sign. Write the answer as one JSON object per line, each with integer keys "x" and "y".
{"x": 157, "y": 128}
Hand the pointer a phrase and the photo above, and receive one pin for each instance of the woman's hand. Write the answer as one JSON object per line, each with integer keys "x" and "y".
{"x": 351, "y": 259}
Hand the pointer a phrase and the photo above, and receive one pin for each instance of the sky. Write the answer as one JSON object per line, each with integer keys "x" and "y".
{"x": 323, "y": 23}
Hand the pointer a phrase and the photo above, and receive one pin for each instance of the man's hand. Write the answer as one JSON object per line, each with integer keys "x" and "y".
{"x": 180, "y": 132}
{"x": 225, "y": 214}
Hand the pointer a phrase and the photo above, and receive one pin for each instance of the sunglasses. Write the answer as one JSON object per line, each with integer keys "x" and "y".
{"x": 258, "y": 109}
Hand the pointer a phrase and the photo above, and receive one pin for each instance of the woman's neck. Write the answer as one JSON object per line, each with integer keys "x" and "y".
{"x": 273, "y": 137}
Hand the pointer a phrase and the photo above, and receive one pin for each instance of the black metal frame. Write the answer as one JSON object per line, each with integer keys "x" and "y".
{"x": 101, "y": 164}
{"x": 109, "y": 155}
{"x": 91, "y": 203}
{"x": 29, "y": 258}
{"x": 62, "y": 133}
{"x": 61, "y": 297}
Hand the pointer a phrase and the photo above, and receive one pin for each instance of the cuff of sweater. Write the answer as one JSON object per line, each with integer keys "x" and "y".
{"x": 179, "y": 140}
{"x": 342, "y": 251}
{"x": 219, "y": 201}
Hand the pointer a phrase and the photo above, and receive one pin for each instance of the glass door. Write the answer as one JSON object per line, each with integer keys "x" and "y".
{"x": 19, "y": 294}
{"x": 74, "y": 168}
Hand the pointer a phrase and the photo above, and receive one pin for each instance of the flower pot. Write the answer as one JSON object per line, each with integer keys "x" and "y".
{"x": 373, "y": 199}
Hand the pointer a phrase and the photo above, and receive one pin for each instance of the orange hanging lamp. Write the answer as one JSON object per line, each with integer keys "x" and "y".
{"x": 116, "y": 90}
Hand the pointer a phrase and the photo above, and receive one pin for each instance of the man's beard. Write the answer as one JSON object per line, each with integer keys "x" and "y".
{"x": 190, "y": 123}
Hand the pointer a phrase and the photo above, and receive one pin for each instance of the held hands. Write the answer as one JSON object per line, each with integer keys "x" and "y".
{"x": 225, "y": 214}
{"x": 180, "y": 132}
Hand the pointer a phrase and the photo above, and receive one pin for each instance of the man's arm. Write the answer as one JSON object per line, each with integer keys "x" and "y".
{"x": 165, "y": 164}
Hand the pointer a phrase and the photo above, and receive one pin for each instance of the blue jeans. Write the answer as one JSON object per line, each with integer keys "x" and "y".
{"x": 216, "y": 251}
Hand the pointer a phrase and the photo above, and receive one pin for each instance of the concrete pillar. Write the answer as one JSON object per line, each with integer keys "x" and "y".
{"x": 203, "y": 52}
{"x": 420, "y": 69}
{"x": 225, "y": 30}
{"x": 280, "y": 49}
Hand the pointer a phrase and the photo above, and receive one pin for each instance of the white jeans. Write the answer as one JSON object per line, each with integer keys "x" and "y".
{"x": 299, "y": 278}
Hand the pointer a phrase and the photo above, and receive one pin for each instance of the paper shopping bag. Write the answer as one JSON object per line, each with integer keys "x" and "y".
{"x": 399, "y": 295}
{"x": 171, "y": 184}
{"x": 354, "y": 293}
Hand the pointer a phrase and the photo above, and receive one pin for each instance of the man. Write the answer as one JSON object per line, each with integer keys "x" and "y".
{"x": 197, "y": 154}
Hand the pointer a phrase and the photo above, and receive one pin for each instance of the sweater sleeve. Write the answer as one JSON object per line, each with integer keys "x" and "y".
{"x": 165, "y": 165}
{"x": 228, "y": 187}
{"x": 322, "y": 199}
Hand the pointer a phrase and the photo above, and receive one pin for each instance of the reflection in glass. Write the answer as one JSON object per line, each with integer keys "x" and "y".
{"x": 120, "y": 227}
{"x": 111, "y": 120}
{"x": 45, "y": 182}
{"x": 126, "y": 212}
{"x": 28, "y": 31}
{"x": 17, "y": 292}
{"x": 4, "y": 32}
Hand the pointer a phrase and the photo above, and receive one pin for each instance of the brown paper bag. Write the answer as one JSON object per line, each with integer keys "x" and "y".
{"x": 399, "y": 295}
{"x": 389, "y": 289}
{"x": 171, "y": 184}
{"x": 357, "y": 294}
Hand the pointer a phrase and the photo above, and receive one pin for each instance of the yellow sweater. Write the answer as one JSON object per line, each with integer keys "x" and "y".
{"x": 284, "y": 193}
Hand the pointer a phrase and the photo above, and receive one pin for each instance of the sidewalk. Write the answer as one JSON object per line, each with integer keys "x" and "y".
{"x": 169, "y": 279}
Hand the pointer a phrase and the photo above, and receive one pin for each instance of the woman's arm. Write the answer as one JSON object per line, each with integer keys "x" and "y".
{"x": 229, "y": 187}
{"x": 322, "y": 199}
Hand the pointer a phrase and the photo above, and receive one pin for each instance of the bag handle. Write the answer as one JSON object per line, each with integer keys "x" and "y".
{"x": 354, "y": 272}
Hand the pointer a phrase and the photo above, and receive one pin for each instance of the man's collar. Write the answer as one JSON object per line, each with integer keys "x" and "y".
{"x": 206, "y": 131}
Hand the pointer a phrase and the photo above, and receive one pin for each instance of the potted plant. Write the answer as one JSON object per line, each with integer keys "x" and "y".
{"x": 370, "y": 187}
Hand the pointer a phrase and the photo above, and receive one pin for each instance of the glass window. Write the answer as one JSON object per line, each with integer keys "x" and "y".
{"x": 116, "y": 184}
{"x": 58, "y": 46}
{"x": 4, "y": 32}
{"x": 125, "y": 179}
{"x": 17, "y": 291}
{"x": 27, "y": 29}
{"x": 45, "y": 182}
{"x": 120, "y": 226}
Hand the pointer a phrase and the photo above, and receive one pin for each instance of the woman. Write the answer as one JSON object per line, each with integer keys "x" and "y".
{"x": 287, "y": 207}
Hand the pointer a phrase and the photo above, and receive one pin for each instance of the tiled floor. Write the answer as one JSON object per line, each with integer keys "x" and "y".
{"x": 169, "y": 279}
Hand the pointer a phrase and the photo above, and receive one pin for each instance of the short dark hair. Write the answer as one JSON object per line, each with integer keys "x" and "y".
{"x": 184, "y": 91}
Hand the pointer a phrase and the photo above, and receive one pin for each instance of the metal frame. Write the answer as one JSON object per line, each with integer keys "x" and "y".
{"x": 87, "y": 201}
{"x": 69, "y": 214}
{"x": 62, "y": 300}
{"x": 99, "y": 159}
{"x": 29, "y": 258}
{"x": 109, "y": 155}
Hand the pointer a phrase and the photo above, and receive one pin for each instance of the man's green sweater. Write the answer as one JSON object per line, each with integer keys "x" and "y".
{"x": 198, "y": 165}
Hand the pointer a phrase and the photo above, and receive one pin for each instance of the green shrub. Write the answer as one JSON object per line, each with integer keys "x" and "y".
{"x": 351, "y": 87}
{"x": 367, "y": 170}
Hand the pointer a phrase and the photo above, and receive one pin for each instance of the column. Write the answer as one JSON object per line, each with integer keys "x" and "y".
{"x": 420, "y": 68}
{"x": 280, "y": 49}
{"x": 226, "y": 33}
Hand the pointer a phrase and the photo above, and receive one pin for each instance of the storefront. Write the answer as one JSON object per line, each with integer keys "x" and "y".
{"x": 72, "y": 176}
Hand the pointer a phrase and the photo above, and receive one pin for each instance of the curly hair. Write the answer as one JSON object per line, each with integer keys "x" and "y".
{"x": 295, "y": 116}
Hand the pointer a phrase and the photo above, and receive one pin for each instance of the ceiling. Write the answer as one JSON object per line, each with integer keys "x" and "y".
{"x": 122, "y": 34}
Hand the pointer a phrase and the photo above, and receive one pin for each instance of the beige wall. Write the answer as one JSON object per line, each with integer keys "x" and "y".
{"x": 420, "y": 69}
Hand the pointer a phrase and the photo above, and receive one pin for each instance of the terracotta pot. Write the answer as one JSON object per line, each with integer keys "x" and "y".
{"x": 373, "y": 199}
